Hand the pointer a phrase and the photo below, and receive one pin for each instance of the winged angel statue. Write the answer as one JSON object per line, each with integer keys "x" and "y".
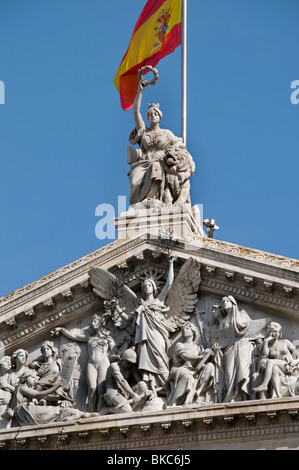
{"x": 153, "y": 317}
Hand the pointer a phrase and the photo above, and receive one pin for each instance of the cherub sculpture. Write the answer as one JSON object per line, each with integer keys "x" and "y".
{"x": 154, "y": 316}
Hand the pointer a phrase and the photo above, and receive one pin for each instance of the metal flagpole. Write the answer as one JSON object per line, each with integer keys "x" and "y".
{"x": 184, "y": 72}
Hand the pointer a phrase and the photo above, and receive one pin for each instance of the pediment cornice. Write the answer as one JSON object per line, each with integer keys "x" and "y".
{"x": 249, "y": 274}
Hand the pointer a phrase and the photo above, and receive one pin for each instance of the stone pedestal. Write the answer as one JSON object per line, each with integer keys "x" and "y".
{"x": 178, "y": 222}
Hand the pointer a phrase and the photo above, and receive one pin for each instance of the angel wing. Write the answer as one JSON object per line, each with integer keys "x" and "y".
{"x": 182, "y": 296}
{"x": 108, "y": 286}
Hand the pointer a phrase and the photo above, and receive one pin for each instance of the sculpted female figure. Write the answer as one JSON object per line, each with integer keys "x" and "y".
{"x": 100, "y": 343}
{"x": 153, "y": 316}
{"x": 6, "y": 390}
{"x": 187, "y": 382}
{"x": 281, "y": 359}
{"x": 237, "y": 356}
{"x": 161, "y": 169}
{"x": 48, "y": 370}
{"x": 152, "y": 331}
{"x": 29, "y": 405}
{"x": 19, "y": 360}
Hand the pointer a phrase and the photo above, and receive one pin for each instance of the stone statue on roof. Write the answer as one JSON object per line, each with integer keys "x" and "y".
{"x": 161, "y": 167}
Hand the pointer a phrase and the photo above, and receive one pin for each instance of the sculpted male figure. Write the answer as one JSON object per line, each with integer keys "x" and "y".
{"x": 121, "y": 395}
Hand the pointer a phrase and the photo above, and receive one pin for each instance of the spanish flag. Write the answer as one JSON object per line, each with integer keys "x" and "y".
{"x": 157, "y": 33}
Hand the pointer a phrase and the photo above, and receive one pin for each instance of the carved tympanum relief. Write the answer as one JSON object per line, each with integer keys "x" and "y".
{"x": 148, "y": 350}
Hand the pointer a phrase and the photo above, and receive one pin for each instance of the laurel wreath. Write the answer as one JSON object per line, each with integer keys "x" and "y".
{"x": 145, "y": 82}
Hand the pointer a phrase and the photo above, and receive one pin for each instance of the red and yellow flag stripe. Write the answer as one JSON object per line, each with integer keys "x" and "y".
{"x": 156, "y": 34}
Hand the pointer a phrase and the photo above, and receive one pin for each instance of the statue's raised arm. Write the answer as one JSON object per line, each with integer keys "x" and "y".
{"x": 139, "y": 122}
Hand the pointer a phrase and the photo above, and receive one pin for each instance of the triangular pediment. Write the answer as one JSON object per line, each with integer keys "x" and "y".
{"x": 264, "y": 285}
{"x": 264, "y": 279}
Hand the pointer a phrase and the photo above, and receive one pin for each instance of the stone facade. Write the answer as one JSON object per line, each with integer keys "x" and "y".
{"x": 263, "y": 285}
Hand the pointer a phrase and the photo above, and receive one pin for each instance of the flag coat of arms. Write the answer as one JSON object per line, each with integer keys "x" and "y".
{"x": 156, "y": 34}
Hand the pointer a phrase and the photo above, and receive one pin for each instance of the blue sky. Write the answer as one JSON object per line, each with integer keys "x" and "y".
{"x": 64, "y": 135}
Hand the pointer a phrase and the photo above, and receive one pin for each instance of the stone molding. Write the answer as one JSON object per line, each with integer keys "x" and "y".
{"x": 258, "y": 255}
{"x": 18, "y": 332}
{"x": 251, "y": 424}
{"x": 249, "y": 290}
{"x": 115, "y": 248}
